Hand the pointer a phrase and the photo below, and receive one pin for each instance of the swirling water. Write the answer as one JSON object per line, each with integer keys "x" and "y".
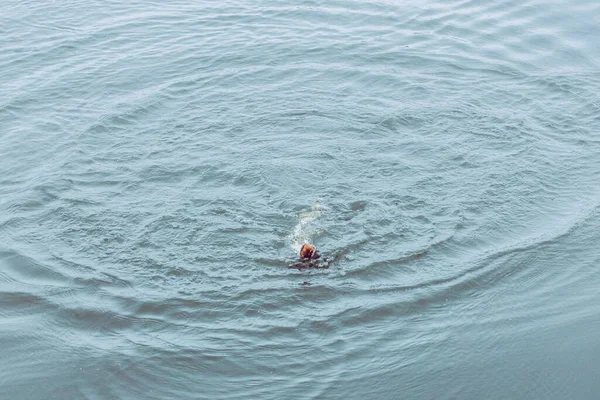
{"x": 161, "y": 162}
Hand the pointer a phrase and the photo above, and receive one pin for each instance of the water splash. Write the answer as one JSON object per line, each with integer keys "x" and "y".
{"x": 304, "y": 230}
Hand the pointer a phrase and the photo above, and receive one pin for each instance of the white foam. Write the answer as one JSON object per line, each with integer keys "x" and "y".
{"x": 303, "y": 231}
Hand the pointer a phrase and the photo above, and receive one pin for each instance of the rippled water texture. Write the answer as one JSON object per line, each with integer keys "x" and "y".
{"x": 161, "y": 163}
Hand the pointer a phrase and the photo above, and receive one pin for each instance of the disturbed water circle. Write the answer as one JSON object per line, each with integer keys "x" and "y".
{"x": 161, "y": 165}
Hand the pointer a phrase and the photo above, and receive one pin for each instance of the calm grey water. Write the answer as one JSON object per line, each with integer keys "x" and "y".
{"x": 161, "y": 162}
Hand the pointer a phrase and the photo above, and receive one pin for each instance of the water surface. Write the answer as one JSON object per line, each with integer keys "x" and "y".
{"x": 161, "y": 163}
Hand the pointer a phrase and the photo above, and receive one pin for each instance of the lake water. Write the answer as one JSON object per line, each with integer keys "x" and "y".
{"x": 162, "y": 162}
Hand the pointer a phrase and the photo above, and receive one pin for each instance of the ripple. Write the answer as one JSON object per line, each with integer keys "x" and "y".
{"x": 163, "y": 162}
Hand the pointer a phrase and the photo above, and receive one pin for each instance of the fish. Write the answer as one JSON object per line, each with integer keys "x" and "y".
{"x": 310, "y": 258}
{"x": 308, "y": 252}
